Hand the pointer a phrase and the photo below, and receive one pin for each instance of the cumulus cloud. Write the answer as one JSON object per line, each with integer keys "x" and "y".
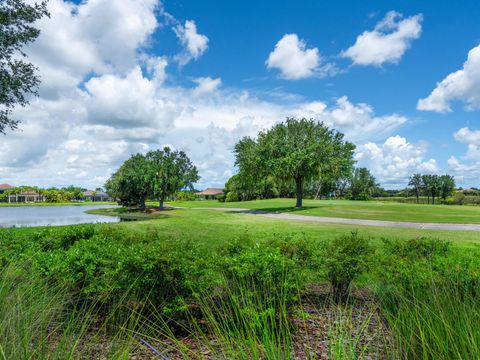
{"x": 96, "y": 107}
{"x": 95, "y": 37}
{"x": 206, "y": 85}
{"x": 461, "y": 85}
{"x": 195, "y": 44}
{"x": 387, "y": 42}
{"x": 466, "y": 172}
{"x": 467, "y": 136}
{"x": 467, "y": 168}
{"x": 294, "y": 61}
{"x": 157, "y": 67}
{"x": 129, "y": 101}
{"x": 357, "y": 121}
{"x": 393, "y": 161}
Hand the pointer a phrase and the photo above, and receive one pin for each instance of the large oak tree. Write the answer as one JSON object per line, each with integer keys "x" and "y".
{"x": 297, "y": 149}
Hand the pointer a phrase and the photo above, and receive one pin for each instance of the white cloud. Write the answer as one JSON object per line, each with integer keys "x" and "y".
{"x": 129, "y": 101}
{"x": 467, "y": 136}
{"x": 157, "y": 67}
{"x": 293, "y": 59}
{"x": 467, "y": 169}
{"x": 466, "y": 172}
{"x": 461, "y": 85}
{"x": 96, "y": 108}
{"x": 195, "y": 44}
{"x": 395, "y": 160}
{"x": 357, "y": 121}
{"x": 96, "y": 36}
{"x": 206, "y": 85}
{"x": 387, "y": 42}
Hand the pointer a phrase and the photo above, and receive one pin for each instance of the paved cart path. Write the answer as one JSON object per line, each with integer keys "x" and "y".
{"x": 365, "y": 222}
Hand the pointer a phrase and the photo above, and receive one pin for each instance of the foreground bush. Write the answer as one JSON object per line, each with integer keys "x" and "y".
{"x": 285, "y": 264}
{"x": 430, "y": 293}
{"x": 39, "y": 320}
{"x": 345, "y": 259}
{"x": 240, "y": 294}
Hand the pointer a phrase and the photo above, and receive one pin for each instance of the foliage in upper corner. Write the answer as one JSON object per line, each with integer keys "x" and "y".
{"x": 18, "y": 78}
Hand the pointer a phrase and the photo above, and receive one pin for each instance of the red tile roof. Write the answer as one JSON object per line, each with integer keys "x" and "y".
{"x": 6, "y": 187}
{"x": 211, "y": 192}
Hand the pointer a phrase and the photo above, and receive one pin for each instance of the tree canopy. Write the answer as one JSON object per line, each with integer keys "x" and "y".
{"x": 432, "y": 186}
{"x": 296, "y": 150}
{"x": 416, "y": 182}
{"x": 158, "y": 174}
{"x": 170, "y": 171}
{"x": 131, "y": 183}
{"x": 362, "y": 185}
{"x": 18, "y": 78}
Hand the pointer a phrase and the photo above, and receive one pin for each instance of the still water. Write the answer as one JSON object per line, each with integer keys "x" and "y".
{"x": 25, "y": 216}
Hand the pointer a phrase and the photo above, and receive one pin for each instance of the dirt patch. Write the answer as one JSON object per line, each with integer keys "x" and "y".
{"x": 153, "y": 211}
{"x": 326, "y": 330}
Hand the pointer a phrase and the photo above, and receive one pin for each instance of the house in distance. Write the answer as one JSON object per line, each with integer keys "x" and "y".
{"x": 90, "y": 195}
{"x": 209, "y": 193}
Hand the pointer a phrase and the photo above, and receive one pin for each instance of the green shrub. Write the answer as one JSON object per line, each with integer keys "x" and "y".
{"x": 185, "y": 195}
{"x": 418, "y": 248}
{"x": 221, "y": 198}
{"x": 345, "y": 259}
{"x": 90, "y": 266}
{"x": 459, "y": 198}
{"x": 232, "y": 196}
{"x": 284, "y": 264}
{"x": 407, "y": 264}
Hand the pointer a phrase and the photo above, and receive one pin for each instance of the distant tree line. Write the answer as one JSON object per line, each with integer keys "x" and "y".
{"x": 50, "y": 195}
{"x": 156, "y": 175}
{"x": 298, "y": 158}
{"x": 432, "y": 186}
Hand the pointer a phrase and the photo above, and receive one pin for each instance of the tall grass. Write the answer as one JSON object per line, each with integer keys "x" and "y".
{"x": 43, "y": 321}
{"x": 439, "y": 322}
{"x": 247, "y": 322}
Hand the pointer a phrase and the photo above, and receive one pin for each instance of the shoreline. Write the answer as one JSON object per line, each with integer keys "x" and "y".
{"x": 89, "y": 203}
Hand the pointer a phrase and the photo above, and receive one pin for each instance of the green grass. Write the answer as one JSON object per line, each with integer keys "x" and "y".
{"x": 6, "y": 204}
{"x": 217, "y": 227}
{"x": 440, "y": 323}
{"x": 176, "y": 249}
{"x": 39, "y": 320}
{"x": 374, "y": 210}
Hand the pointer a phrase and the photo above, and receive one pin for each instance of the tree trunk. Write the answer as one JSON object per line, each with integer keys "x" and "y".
{"x": 318, "y": 191}
{"x": 299, "y": 183}
{"x": 142, "y": 205}
{"x": 161, "y": 203}
{"x": 418, "y": 200}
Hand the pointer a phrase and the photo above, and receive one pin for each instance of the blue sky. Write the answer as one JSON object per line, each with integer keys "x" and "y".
{"x": 401, "y": 80}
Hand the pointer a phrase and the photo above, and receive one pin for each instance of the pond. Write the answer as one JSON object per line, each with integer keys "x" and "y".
{"x": 26, "y": 216}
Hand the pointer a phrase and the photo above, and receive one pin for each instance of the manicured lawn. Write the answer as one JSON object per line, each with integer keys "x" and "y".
{"x": 216, "y": 227}
{"x": 374, "y": 210}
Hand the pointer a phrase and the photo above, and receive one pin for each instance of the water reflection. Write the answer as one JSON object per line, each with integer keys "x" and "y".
{"x": 26, "y": 216}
